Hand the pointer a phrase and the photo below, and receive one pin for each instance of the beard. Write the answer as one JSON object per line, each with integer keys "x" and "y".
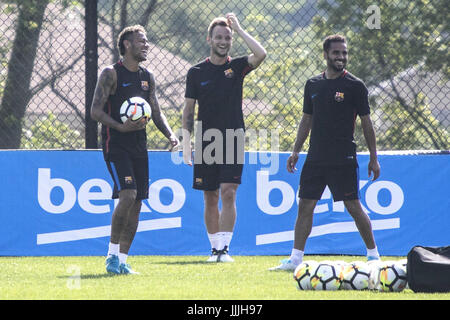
{"x": 138, "y": 55}
{"x": 334, "y": 67}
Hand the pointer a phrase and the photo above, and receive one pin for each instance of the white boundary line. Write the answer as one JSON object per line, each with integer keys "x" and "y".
{"x": 338, "y": 227}
{"x": 103, "y": 231}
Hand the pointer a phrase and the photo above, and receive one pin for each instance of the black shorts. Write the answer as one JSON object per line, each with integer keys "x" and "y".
{"x": 208, "y": 177}
{"x": 213, "y": 169}
{"x": 129, "y": 172}
{"x": 343, "y": 181}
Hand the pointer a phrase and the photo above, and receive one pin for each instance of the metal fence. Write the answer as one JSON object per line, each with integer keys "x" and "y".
{"x": 52, "y": 51}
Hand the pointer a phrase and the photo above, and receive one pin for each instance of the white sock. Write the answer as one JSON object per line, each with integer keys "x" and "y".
{"x": 296, "y": 256}
{"x": 373, "y": 252}
{"x": 123, "y": 257}
{"x": 225, "y": 239}
{"x": 113, "y": 249}
{"x": 214, "y": 239}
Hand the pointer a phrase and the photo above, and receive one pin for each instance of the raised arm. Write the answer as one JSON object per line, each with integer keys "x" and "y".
{"x": 258, "y": 52}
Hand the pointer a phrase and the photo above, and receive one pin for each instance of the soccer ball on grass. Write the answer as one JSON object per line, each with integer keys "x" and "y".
{"x": 326, "y": 275}
{"x": 392, "y": 277}
{"x": 356, "y": 276}
{"x": 302, "y": 274}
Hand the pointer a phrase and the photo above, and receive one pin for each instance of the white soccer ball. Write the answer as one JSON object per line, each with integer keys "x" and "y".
{"x": 135, "y": 108}
{"x": 326, "y": 276}
{"x": 302, "y": 274}
{"x": 404, "y": 263}
{"x": 356, "y": 276}
{"x": 375, "y": 266}
{"x": 392, "y": 277}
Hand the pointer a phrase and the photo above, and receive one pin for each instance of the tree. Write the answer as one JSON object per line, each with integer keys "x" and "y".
{"x": 402, "y": 130}
{"x": 17, "y": 94}
{"x": 409, "y": 34}
{"x": 50, "y": 133}
{"x": 113, "y": 11}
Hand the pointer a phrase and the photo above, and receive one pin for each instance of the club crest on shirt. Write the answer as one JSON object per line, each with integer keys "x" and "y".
{"x": 229, "y": 73}
{"x": 128, "y": 180}
{"x": 339, "y": 96}
{"x": 144, "y": 85}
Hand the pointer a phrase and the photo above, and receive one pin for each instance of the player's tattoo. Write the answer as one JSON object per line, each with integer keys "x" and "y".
{"x": 104, "y": 87}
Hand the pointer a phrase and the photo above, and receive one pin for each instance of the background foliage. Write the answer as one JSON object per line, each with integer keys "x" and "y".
{"x": 404, "y": 63}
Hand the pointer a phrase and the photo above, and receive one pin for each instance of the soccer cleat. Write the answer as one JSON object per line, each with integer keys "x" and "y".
{"x": 286, "y": 265}
{"x": 372, "y": 258}
{"x": 224, "y": 256}
{"x": 126, "y": 269}
{"x": 214, "y": 256}
{"x": 112, "y": 264}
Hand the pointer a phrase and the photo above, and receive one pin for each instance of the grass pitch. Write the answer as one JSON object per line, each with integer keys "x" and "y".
{"x": 170, "y": 278}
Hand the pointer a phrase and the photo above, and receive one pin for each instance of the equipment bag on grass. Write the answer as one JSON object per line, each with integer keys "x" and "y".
{"x": 428, "y": 269}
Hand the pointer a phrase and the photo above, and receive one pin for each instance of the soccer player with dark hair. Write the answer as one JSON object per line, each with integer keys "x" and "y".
{"x": 216, "y": 84}
{"x": 125, "y": 144}
{"x": 332, "y": 101}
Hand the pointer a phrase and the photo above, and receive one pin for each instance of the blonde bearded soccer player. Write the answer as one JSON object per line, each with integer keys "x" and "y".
{"x": 216, "y": 84}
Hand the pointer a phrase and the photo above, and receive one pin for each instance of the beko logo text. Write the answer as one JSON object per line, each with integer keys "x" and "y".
{"x": 265, "y": 186}
{"x": 85, "y": 195}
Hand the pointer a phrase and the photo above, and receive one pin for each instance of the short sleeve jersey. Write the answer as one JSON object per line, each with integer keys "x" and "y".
{"x": 129, "y": 84}
{"x": 334, "y": 105}
{"x": 218, "y": 90}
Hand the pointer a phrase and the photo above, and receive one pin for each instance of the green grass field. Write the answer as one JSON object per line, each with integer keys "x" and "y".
{"x": 170, "y": 278}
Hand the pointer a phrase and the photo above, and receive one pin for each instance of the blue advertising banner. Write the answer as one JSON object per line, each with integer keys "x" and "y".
{"x": 59, "y": 203}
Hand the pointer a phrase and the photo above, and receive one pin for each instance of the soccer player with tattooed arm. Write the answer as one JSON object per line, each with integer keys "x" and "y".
{"x": 124, "y": 144}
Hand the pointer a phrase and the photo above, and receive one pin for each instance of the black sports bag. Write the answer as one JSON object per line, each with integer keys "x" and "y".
{"x": 428, "y": 269}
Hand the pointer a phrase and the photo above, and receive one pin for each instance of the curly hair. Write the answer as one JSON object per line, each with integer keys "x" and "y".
{"x": 126, "y": 34}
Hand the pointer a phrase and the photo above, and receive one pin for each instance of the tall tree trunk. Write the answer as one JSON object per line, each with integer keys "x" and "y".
{"x": 17, "y": 93}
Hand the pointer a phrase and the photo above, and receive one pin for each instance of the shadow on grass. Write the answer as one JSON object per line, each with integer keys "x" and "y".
{"x": 192, "y": 262}
{"x": 93, "y": 276}
{"x": 100, "y": 275}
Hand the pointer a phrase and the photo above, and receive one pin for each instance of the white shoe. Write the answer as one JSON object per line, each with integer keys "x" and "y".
{"x": 286, "y": 265}
{"x": 214, "y": 256}
{"x": 224, "y": 256}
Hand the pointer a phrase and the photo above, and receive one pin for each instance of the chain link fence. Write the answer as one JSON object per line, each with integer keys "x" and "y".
{"x": 399, "y": 48}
